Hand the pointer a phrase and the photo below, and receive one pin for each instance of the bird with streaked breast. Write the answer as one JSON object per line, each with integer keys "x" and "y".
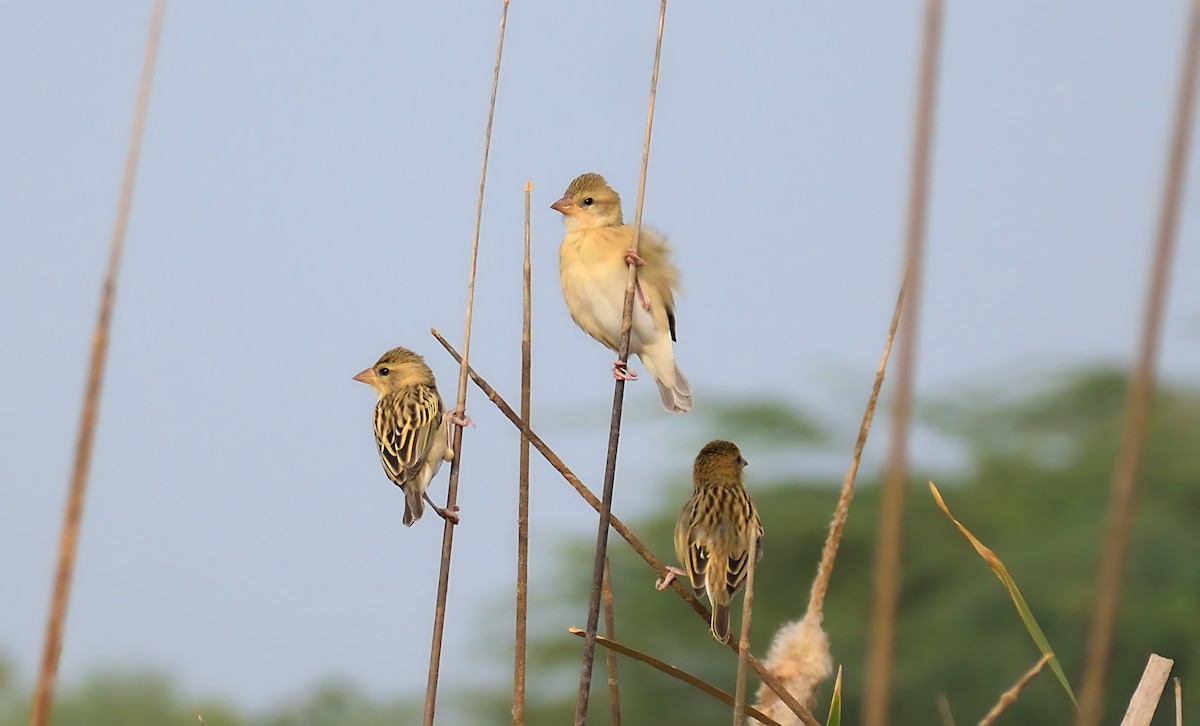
{"x": 593, "y": 263}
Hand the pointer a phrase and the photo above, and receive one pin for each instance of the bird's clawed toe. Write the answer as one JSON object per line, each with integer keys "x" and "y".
{"x": 621, "y": 372}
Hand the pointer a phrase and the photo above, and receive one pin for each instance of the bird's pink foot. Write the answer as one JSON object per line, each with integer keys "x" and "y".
{"x": 672, "y": 572}
{"x": 458, "y": 418}
{"x": 632, "y": 258}
{"x": 450, "y": 515}
{"x": 621, "y": 372}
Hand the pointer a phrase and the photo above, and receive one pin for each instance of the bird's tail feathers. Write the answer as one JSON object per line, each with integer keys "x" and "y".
{"x": 414, "y": 505}
{"x": 720, "y": 623}
{"x": 718, "y": 595}
{"x": 673, "y": 387}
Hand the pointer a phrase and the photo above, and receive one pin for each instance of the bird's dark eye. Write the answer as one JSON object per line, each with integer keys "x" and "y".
{"x": 384, "y": 371}
{"x": 588, "y": 202}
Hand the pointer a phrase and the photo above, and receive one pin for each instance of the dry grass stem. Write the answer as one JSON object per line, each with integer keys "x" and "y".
{"x": 439, "y": 615}
{"x": 1010, "y": 696}
{"x": 769, "y": 679}
{"x": 1149, "y": 692}
{"x": 519, "y": 637}
{"x": 614, "y": 429}
{"x": 800, "y": 652}
{"x": 887, "y": 552}
{"x": 1178, "y": 703}
{"x": 1137, "y": 403}
{"x": 610, "y": 632}
{"x": 944, "y": 711}
{"x": 678, "y": 674}
{"x": 739, "y": 689}
{"x": 73, "y": 512}
{"x": 816, "y": 599}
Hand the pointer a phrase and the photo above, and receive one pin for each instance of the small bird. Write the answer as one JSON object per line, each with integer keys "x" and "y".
{"x": 593, "y": 260}
{"x": 408, "y": 428}
{"x": 712, "y": 535}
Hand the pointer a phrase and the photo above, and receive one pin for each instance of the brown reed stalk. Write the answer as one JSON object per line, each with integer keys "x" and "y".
{"x": 73, "y": 513}
{"x": 614, "y": 429}
{"x": 769, "y": 679}
{"x": 518, "y": 710}
{"x": 887, "y": 552}
{"x": 1137, "y": 402}
{"x": 739, "y": 688}
{"x": 460, "y": 406}
{"x": 816, "y": 598}
{"x": 677, "y": 674}
{"x": 610, "y": 632}
{"x": 1009, "y": 697}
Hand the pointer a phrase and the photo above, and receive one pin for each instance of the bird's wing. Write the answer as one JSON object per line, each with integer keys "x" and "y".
{"x": 738, "y": 552}
{"x": 405, "y": 422}
{"x": 691, "y": 555}
{"x": 659, "y": 276}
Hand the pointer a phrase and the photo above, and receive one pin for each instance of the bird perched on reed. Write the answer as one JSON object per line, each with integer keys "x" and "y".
{"x": 409, "y": 420}
{"x": 593, "y": 261}
{"x": 714, "y": 532}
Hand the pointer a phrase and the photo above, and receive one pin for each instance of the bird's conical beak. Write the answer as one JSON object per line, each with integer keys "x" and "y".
{"x": 367, "y": 377}
{"x": 566, "y": 205}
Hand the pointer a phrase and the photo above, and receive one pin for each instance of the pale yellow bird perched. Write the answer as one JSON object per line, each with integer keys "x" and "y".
{"x": 714, "y": 530}
{"x": 409, "y": 420}
{"x": 593, "y": 262}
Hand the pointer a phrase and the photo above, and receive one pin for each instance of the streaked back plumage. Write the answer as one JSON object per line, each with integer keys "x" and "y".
{"x": 714, "y": 529}
{"x": 409, "y": 420}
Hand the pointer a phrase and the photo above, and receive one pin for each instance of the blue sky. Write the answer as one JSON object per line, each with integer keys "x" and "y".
{"x": 306, "y": 200}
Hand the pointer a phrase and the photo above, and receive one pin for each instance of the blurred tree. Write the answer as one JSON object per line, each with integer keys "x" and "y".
{"x": 1034, "y": 488}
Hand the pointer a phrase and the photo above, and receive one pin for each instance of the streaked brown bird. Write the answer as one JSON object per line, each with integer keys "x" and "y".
{"x": 714, "y": 531}
{"x": 593, "y": 263}
{"x": 409, "y": 422}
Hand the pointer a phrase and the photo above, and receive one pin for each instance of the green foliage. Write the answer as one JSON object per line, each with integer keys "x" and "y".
{"x": 1035, "y": 488}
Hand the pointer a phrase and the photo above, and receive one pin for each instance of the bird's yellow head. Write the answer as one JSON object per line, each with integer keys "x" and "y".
{"x": 719, "y": 462}
{"x": 589, "y": 202}
{"x": 395, "y": 369}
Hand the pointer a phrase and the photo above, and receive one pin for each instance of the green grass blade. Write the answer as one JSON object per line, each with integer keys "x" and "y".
{"x": 993, "y": 561}
{"x": 835, "y": 704}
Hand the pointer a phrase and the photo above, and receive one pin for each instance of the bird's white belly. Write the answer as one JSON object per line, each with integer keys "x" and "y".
{"x": 604, "y": 298}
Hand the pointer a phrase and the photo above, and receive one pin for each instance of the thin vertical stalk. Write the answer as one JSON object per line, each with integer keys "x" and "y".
{"x": 518, "y": 711}
{"x": 816, "y": 598}
{"x": 73, "y": 512}
{"x": 610, "y": 632}
{"x": 739, "y": 690}
{"x": 1137, "y": 401}
{"x": 460, "y": 406}
{"x": 887, "y": 552}
{"x": 769, "y": 679}
{"x": 614, "y": 430}
{"x": 1178, "y": 702}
